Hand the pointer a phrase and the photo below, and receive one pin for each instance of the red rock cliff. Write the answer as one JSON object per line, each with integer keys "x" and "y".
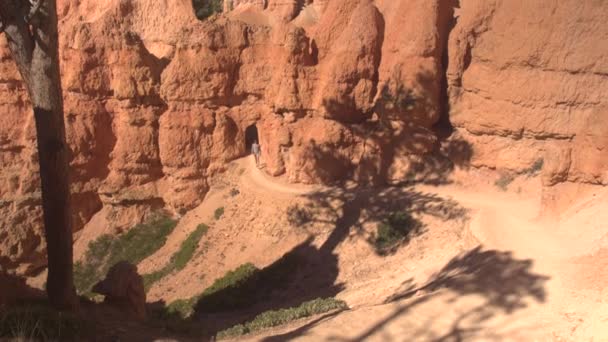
{"x": 157, "y": 102}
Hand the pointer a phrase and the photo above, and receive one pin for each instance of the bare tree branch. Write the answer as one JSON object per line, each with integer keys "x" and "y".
{"x": 34, "y": 8}
{"x": 1, "y": 22}
{"x": 18, "y": 35}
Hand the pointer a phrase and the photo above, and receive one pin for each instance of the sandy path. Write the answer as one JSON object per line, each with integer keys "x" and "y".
{"x": 259, "y": 181}
{"x": 501, "y": 222}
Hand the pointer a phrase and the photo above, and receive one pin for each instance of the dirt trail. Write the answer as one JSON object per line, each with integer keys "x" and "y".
{"x": 522, "y": 284}
{"x": 256, "y": 178}
{"x": 501, "y": 222}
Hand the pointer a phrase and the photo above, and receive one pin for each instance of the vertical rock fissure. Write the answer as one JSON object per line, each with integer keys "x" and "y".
{"x": 446, "y": 22}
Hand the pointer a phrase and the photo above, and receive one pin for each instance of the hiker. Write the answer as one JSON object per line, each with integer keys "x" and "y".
{"x": 255, "y": 150}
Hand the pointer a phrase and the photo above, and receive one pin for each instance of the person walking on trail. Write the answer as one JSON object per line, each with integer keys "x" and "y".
{"x": 255, "y": 150}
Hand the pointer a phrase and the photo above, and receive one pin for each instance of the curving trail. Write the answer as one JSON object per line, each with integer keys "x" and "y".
{"x": 571, "y": 308}
{"x": 502, "y": 222}
{"x": 255, "y": 178}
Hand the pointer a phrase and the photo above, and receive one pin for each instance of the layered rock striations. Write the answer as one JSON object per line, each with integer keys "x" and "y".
{"x": 157, "y": 102}
{"x": 527, "y": 82}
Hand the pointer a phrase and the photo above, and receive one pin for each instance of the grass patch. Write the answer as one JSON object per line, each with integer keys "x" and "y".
{"x": 275, "y": 318}
{"x": 240, "y": 288}
{"x": 178, "y": 260}
{"x": 40, "y": 323}
{"x": 394, "y": 230}
{"x": 230, "y": 281}
{"x": 219, "y": 212}
{"x": 133, "y": 246}
{"x": 503, "y": 182}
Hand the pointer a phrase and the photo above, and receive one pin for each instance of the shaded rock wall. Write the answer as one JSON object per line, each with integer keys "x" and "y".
{"x": 157, "y": 102}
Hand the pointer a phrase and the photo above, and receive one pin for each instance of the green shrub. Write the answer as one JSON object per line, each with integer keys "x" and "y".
{"x": 206, "y": 8}
{"x": 219, "y": 212}
{"x": 275, "y": 318}
{"x": 503, "y": 182}
{"x": 536, "y": 167}
{"x": 231, "y": 280}
{"x": 40, "y": 323}
{"x": 182, "y": 307}
{"x": 133, "y": 246}
{"x": 180, "y": 259}
{"x": 395, "y": 229}
{"x": 240, "y": 288}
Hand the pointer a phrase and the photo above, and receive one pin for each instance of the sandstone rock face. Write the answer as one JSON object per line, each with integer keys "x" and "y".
{"x": 156, "y": 102}
{"x": 123, "y": 287}
{"x": 527, "y": 81}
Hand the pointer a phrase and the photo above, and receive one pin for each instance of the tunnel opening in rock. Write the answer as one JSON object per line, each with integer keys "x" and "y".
{"x": 251, "y": 135}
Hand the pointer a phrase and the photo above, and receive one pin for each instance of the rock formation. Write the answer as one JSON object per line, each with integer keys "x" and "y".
{"x": 123, "y": 288}
{"x": 527, "y": 82}
{"x": 157, "y": 102}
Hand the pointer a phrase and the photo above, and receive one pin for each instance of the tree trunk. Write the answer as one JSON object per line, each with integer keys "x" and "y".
{"x": 35, "y": 50}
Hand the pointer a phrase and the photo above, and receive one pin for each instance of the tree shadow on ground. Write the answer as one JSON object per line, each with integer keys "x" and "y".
{"x": 301, "y": 275}
{"x": 14, "y": 289}
{"x": 504, "y": 283}
{"x": 310, "y": 271}
{"x": 348, "y": 210}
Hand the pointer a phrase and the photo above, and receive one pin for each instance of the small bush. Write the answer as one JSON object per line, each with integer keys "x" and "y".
{"x": 231, "y": 280}
{"x": 188, "y": 247}
{"x": 206, "y": 8}
{"x": 275, "y": 318}
{"x": 180, "y": 259}
{"x": 536, "y": 167}
{"x": 395, "y": 229}
{"x": 298, "y": 216}
{"x": 184, "y": 308}
{"x": 133, "y": 246}
{"x": 219, "y": 212}
{"x": 40, "y": 323}
{"x": 234, "y": 192}
{"x": 503, "y": 182}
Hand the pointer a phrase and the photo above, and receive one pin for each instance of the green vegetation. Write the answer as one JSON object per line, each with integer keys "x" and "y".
{"x": 40, "y": 323}
{"x": 394, "y": 230}
{"x": 232, "y": 280}
{"x": 240, "y": 288}
{"x": 503, "y": 182}
{"x": 536, "y": 167}
{"x": 274, "y": 318}
{"x": 219, "y": 212}
{"x": 206, "y": 8}
{"x": 133, "y": 246}
{"x": 178, "y": 260}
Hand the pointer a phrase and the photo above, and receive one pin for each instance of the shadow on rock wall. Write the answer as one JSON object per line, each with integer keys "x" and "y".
{"x": 398, "y": 142}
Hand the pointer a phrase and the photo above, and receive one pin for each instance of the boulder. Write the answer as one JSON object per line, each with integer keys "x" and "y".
{"x": 123, "y": 288}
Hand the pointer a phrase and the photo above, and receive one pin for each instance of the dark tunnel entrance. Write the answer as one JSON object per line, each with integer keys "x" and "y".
{"x": 251, "y": 135}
